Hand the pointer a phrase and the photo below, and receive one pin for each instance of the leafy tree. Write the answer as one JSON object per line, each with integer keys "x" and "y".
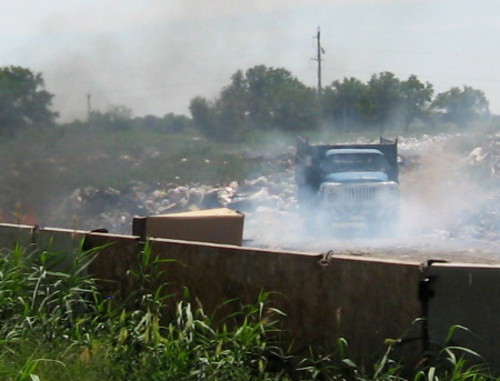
{"x": 416, "y": 98}
{"x": 231, "y": 107}
{"x": 461, "y": 106}
{"x": 115, "y": 118}
{"x": 272, "y": 98}
{"x": 203, "y": 114}
{"x": 169, "y": 123}
{"x": 175, "y": 123}
{"x": 384, "y": 99}
{"x": 23, "y": 100}
{"x": 260, "y": 98}
{"x": 276, "y": 99}
{"x": 344, "y": 103}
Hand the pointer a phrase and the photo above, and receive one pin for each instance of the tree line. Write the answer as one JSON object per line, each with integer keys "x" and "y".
{"x": 271, "y": 98}
{"x": 263, "y": 98}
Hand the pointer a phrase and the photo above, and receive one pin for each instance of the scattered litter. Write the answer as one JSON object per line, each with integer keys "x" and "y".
{"x": 269, "y": 196}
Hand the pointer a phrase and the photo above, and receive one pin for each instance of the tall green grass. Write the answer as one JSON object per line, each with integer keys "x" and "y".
{"x": 55, "y": 324}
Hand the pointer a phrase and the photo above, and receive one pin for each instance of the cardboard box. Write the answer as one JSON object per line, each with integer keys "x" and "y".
{"x": 212, "y": 225}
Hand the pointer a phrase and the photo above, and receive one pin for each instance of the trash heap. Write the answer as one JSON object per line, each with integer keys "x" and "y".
{"x": 461, "y": 173}
{"x": 90, "y": 208}
{"x": 483, "y": 161}
{"x": 270, "y": 205}
{"x": 482, "y": 166}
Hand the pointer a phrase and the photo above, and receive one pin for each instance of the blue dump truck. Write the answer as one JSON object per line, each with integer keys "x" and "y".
{"x": 348, "y": 183}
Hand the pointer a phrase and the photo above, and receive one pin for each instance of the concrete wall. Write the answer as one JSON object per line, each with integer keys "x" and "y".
{"x": 467, "y": 295}
{"x": 364, "y": 301}
{"x": 12, "y": 234}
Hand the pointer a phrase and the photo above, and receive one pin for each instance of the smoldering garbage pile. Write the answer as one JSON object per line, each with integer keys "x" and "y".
{"x": 450, "y": 187}
{"x": 482, "y": 167}
{"x": 90, "y": 208}
{"x": 270, "y": 205}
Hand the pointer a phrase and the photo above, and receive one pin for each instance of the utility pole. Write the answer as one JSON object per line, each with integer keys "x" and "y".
{"x": 89, "y": 107}
{"x": 318, "y": 58}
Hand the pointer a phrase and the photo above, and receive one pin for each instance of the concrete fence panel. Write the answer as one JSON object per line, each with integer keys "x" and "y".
{"x": 12, "y": 234}
{"x": 364, "y": 301}
{"x": 466, "y": 295}
{"x": 325, "y": 297}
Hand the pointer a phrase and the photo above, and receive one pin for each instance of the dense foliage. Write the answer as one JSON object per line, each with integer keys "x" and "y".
{"x": 263, "y": 98}
{"x": 23, "y": 101}
{"x": 271, "y": 98}
{"x": 461, "y": 106}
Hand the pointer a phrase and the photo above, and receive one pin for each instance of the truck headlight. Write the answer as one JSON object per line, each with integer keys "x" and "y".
{"x": 329, "y": 191}
{"x": 332, "y": 196}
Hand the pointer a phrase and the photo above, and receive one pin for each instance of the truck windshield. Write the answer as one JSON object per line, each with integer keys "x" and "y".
{"x": 354, "y": 162}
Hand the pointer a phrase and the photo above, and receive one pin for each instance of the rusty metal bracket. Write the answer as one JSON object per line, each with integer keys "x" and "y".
{"x": 87, "y": 244}
{"x": 425, "y": 294}
{"x": 35, "y": 231}
{"x": 326, "y": 258}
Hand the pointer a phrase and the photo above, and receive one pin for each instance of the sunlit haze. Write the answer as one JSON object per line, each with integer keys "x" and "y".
{"x": 154, "y": 56}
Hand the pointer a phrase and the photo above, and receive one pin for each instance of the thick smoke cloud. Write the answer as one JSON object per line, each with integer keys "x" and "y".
{"x": 447, "y": 210}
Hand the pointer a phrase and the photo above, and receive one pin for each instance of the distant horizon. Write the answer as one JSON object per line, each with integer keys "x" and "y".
{"x": 154, "y": 57}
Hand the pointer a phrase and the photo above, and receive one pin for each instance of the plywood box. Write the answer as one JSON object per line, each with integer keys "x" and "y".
{"x": 220, "y": 225}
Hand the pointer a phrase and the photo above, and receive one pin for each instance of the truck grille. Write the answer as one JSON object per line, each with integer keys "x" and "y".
{"x": 361, "y": 194}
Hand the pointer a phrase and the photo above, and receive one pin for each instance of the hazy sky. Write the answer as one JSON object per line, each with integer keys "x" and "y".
{"x": 154, "y": 56}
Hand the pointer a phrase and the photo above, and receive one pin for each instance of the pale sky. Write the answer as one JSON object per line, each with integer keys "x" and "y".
{"x": 154, "y": 56}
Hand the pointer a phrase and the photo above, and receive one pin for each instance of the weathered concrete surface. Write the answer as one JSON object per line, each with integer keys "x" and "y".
{"x": 364, "y": 301}
{"x": 466, "y": 295}
{"x": 12, "y": 234}
{"x": 117, "y": 256}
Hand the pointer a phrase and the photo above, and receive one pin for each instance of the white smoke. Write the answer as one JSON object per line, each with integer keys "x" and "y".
{"x": 441, "y": 209}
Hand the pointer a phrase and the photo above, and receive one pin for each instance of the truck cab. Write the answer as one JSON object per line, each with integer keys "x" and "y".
{"x": 349, "y": 183}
